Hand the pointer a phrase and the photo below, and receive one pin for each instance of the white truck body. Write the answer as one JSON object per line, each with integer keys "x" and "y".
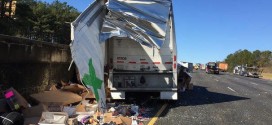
{"x": 188, "y": 65}
{"x": 203, "y": 67}
{"x": 140, "y": 57}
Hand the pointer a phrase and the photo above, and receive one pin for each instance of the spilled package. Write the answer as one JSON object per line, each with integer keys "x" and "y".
{"x": 53, "y": 118}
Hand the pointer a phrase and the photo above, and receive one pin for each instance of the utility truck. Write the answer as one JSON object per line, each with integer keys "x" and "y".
{"x": 132, "y": 43}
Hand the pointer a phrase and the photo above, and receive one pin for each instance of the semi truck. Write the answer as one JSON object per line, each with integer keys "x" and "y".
{"x": 223, "y": 67}
{"x": 211, "y": 67}
{"x": 134, "y": 43}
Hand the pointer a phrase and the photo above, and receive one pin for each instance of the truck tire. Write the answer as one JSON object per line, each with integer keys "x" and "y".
{"x": 12, "y": 118}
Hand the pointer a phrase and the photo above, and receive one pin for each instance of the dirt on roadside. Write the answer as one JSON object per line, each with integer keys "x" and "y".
{"x": 267, "y": 69}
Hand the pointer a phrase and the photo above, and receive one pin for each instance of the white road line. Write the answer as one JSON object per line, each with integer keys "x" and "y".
{"x": 253, "y": 83}
{"x": 231, "y": 89}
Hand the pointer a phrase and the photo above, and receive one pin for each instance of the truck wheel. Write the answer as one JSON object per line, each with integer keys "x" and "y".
{"x": 12, "y": 118}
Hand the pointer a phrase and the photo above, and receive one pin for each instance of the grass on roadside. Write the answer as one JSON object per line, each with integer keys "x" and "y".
{"x": 267, "y": 76}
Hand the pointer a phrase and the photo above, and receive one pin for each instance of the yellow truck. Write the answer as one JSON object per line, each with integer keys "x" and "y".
{"x": 223, "y": 67}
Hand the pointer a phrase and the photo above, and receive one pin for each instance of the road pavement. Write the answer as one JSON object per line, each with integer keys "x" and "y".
{"x": 221, "y": 100}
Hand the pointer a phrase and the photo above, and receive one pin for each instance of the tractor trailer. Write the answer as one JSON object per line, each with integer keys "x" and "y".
{"x": 135, "y": 43}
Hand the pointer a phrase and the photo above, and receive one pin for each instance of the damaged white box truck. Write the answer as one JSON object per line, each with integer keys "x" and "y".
{"x": 132, "y": 41}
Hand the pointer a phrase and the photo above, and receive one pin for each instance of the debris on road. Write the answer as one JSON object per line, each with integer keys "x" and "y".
{"x": 15, "y": 100}
{"x": 12, "y": 103}
{"x": 71, "y": 104}
{"x": 54, "y": 118}
{"x": 59, "y": 97}
{"x": 244, "y": 70}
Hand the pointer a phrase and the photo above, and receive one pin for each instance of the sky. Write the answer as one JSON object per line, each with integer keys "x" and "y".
{"x": 209, "y": 30}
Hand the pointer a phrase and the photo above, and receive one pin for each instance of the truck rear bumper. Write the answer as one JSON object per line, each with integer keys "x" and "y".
{"x": 169, "y": 95}
{"x": 164, "y": 94}
{"x": 143, "y": 89}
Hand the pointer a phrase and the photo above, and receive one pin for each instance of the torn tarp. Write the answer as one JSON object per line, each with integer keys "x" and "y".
{"x": 144, "y": 21}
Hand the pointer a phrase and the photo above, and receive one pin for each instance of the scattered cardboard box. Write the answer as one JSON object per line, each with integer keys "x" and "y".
{"x": 109, "y": 118}
{"x": 51, "y": 88}
{"x": 126, "y": 120}
{"x": 76, "y": 88}
{"x": 57, "y": 97}
{"x": 80, "y": 108}
{"x": 53, "y": 118}
{"x": 86, "y": 95}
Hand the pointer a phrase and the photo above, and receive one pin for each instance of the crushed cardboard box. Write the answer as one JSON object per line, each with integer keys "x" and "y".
{"x": 76, "y": 88}
{"x": 88, "y": 95}
{"x": 80, "y": 108}
{"x": 109, "y": 118}
{"x": 57, "y": 97}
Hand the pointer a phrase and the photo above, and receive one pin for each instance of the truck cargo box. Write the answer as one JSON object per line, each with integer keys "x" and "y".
{"x": 130, "y": 42}
{"x": 223, "y": 67}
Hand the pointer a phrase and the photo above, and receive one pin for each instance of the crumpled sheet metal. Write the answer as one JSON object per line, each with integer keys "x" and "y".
{"x": 145, "y": 21}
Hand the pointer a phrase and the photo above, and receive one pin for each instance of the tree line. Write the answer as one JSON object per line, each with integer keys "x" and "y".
{"x": 256, "y": 58}
{"x": 39, "y": 20}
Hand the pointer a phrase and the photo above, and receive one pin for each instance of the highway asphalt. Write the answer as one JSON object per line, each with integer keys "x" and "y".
{"x": 221, "y": 100}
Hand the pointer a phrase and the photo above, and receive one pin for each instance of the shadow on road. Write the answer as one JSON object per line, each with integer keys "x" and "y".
{"x": 200, "y": 96}
{"x": 216, "y": 74}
